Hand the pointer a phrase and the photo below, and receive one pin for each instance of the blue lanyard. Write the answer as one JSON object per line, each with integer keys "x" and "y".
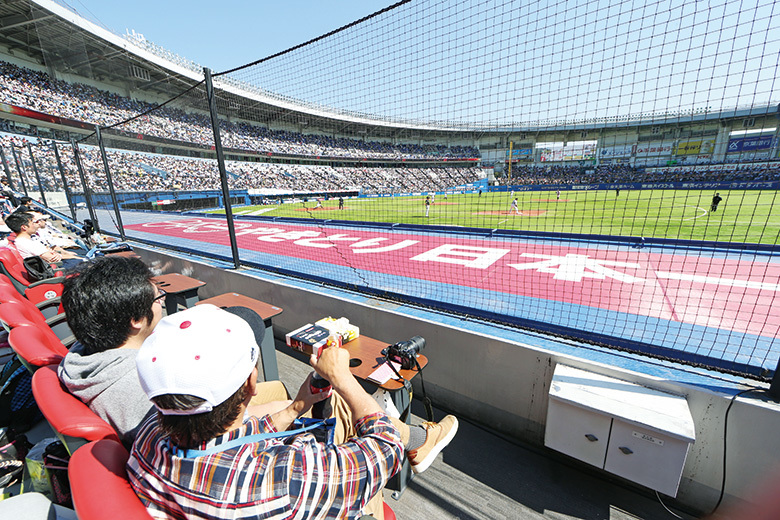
{"x": 257, "y": 437}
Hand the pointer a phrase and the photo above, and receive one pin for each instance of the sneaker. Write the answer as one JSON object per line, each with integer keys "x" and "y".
{"x": 438, "y": 437}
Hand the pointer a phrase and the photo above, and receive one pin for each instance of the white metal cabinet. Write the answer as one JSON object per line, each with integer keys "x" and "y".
{"x": 635, "y": 432}
{"x": 578, "y": 432}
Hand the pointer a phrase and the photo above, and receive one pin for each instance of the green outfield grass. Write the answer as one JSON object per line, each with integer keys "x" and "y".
{"x": 744, "y": 216}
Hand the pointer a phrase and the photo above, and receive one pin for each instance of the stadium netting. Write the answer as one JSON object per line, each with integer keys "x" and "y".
{"x": 602, "y": 170}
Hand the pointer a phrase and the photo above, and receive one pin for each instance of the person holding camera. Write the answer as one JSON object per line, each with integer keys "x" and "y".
{"x": 202, "y": 455}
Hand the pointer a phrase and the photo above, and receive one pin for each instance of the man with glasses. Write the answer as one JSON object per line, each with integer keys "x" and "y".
{"x": 112, "y": 306}
{"x": 52, "y": 237}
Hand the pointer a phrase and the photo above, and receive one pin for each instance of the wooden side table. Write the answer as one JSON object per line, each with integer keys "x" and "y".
{"x": 365, "y": 357}
{"x": 369, "y": 352}
{"x": 180, "y": 289}
{"x": 267, "y": 312}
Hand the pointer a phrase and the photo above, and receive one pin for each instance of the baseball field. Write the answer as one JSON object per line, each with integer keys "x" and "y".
{"x": 748, "y": 216}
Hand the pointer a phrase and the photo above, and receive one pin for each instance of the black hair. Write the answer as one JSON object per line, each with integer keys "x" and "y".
{"x": 17, "y": 219}
{"x": 25, "y": 200}
{"x": 102, "y": 298}
{"x": 189, "y": 431}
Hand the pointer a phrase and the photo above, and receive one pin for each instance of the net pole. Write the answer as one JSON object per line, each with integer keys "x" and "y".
{"x": 509, "y": 180}
{"x": 20, "y": 170}
{"x": 221, "y": 164}
{"x": 68, "y": 196}
{"x": 6, "y": 169}
{"x": 87, "y": 198}
{"x": 37, "y": 175}
{"x": 119, "y": 224}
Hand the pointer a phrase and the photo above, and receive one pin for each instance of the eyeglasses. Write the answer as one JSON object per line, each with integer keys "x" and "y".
{"x": 160, "y": 297}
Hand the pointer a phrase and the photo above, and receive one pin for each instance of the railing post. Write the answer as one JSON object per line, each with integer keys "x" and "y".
{"x": 84, "y": 186}
{"x": 221, "y": 164}
{"x": 64, "y": 181}
{"x": 37, "y": 175}
{"x": 20, "y": 170}
{"x": 110, "y": 183}
{"x": 7, "y": 169}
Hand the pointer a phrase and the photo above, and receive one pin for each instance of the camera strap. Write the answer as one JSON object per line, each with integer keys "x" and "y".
{"x": 425, "y": 399}
{"x": 257, "y": 437}
{"x": 408, "y": 386}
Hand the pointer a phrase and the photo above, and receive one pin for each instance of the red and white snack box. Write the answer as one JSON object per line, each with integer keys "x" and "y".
{"x": 311, "y": 339}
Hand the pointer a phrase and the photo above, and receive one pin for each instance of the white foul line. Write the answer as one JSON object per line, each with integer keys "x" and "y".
{"x": 719, "y": 281}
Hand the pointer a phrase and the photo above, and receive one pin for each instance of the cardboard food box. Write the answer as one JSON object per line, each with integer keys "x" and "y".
{"x": 309, "y": 339}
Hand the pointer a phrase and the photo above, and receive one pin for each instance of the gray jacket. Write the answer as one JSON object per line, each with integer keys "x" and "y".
{"x": 108, "y": 383}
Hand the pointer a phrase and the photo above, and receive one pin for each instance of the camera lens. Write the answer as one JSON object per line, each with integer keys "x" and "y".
{"x": 415, "y": 344}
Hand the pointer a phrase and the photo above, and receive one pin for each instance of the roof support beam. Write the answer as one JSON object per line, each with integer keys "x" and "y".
{"x": 13, "y": 22}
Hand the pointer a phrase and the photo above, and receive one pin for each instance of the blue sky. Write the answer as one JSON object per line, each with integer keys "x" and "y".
{"x": 517, "y": 63}
{"x": 222, "y": 35}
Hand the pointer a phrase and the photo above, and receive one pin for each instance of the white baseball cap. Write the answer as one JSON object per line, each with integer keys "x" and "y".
{"x": 204, "y": 351}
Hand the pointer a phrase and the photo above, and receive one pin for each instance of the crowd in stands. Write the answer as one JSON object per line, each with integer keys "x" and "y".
{"x": 138, "y": 172}
{"x": 38, "y": 91}
{"x": 612, "y": 173}
{"x": 132, "y": 171}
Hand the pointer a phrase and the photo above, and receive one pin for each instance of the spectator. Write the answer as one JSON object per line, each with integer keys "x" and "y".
{"x": 24, "y": 225}
{"x": 199, "y": 370}
{"x": 52, "y": 237}
{"x": 112, "y": 306}
{"x": 25, "y": 204}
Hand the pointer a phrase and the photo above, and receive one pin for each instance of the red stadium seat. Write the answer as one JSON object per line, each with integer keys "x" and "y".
{"x": 98, "y": 482}
{"x": 35, "y": 347}
{"x": 15, "y": 314}
{"x": 12, "y": 266}
{"x": 72, "y": 420}
{"x": 8, "y": 293}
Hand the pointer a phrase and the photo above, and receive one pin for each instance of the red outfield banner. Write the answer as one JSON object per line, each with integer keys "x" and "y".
{"x": 40, "y": 116}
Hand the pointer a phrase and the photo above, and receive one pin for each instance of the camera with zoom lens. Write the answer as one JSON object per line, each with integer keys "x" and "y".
{"x": 88, "y": 228}
{"x": 405, "y": 352}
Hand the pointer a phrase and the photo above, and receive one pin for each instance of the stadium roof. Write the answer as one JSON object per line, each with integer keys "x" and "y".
{"x": 62, "y": 40}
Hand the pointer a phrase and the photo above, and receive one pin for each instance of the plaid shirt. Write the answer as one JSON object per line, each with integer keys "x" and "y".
{"x": 293, "y": 477}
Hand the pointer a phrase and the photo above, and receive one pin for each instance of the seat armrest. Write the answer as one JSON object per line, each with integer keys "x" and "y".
{"x": 44, "y": 289}
{"x": 59, "y": 324}
{"x": 50, "y": 307}
{"x": 56, "y": 279}
{"x": 98, "y": 480}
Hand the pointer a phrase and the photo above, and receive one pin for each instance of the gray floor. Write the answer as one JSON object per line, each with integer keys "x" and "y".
{"x": 482, "y": 476}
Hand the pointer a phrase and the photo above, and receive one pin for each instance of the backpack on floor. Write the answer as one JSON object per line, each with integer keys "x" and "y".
{"x": 13, "y": 450}
{"x": 17, "y": 404}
